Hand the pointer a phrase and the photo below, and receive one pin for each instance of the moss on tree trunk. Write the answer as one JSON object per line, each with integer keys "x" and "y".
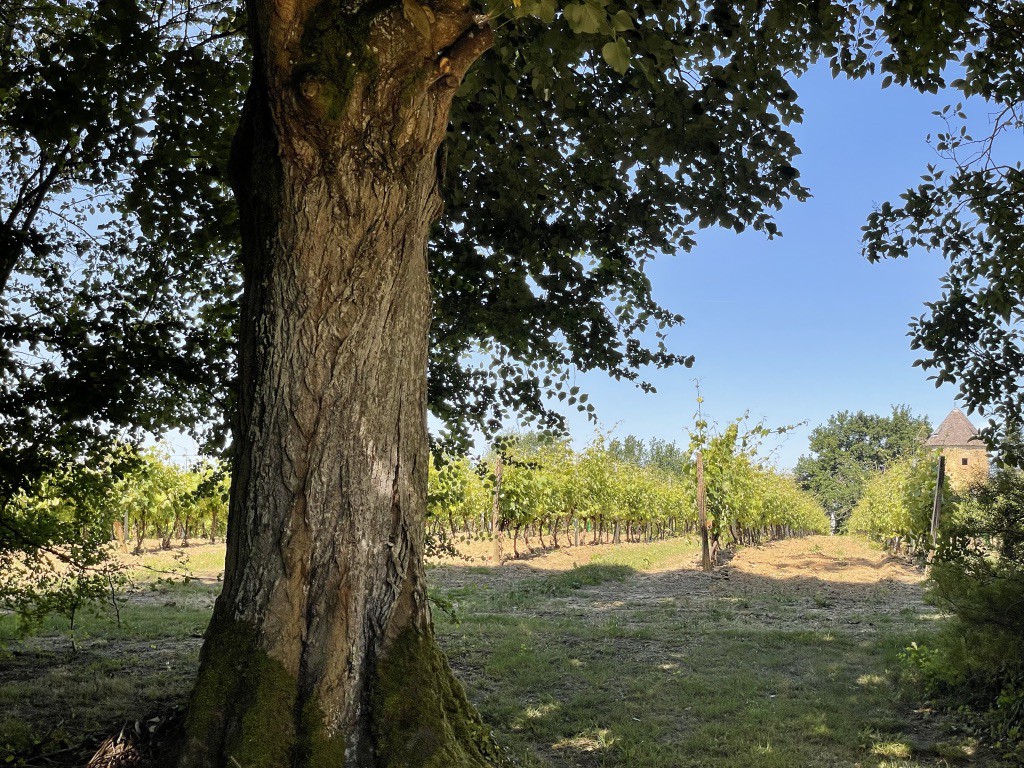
{"x": 421, "y": 716}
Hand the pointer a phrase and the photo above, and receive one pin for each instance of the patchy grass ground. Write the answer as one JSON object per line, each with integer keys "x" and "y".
{"x": 787, "y": 657}
{"x": 592, "y": 656}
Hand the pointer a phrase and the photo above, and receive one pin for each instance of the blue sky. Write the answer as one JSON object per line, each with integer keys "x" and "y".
{"x": 800, "y": 327}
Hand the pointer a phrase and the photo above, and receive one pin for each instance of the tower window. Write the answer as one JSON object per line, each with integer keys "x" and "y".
{"x": 963, "y": 462}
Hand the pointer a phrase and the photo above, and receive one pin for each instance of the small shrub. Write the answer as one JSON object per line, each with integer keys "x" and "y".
{"x": 978, "y": 576}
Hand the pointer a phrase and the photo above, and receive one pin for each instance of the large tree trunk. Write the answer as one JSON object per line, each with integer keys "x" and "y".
{"x": 321, "y": 649}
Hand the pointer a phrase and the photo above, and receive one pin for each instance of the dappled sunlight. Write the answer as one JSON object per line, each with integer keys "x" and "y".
{"x": 820, "y": 729}
{"x": 891, "y": 749}
{"x": 540, "y": 710}
{"x": 812, "y": 580}
{"x": 872, "y": 680}
{"x": 609, "y": 665}
{"x": 599, "y": 739}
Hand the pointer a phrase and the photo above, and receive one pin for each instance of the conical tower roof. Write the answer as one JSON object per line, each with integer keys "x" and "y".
{"x": 955, "y": 431}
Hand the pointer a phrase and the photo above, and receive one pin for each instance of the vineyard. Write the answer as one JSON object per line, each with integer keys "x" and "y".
{"x": 85, "y": 518}
{"x": 609, "y": 607}
{"x": 530, "y": 490}
{"x": 896, "y": 506}
{"x": 134, "y": 496}
{"x": 615, "y": 491}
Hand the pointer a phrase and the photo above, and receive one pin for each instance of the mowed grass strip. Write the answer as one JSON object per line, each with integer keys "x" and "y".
{"x": 619, "y": 661}
{"x": 647, "y": 669}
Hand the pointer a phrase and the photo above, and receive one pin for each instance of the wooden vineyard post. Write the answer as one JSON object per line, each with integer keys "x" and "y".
{"x": 121, "y": 534}
{"x": 702, "y": 515}
{"x": 496, "y": 532}
{"x": 937, "y": 504}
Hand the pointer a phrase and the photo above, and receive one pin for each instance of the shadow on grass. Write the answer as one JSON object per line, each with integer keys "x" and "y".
{"x": 601, "y": 665}
{"x": 682, "y": 669}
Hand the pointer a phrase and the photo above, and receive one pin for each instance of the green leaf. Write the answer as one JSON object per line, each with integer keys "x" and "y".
{"x": 546, "y": 10}
{"x": 622, "y": 22}
{"x": 526, "y": 8}
{"x": 617, "y": 54}
{"x": 585, "y": 19}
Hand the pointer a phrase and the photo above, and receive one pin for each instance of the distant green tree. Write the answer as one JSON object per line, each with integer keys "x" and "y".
{"x": 663, "y": 455}
{"x": 847, "y": 448}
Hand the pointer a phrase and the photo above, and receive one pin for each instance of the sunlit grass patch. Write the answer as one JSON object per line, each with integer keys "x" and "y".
{"x": 679, "y": 551}
{"x": 891, "y": 749}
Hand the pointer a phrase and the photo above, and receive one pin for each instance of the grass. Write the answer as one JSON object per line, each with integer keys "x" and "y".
{"x": 59, "y": 701}
{"x": 656, "y": 555}
{"x": 609, "y": 663}
{"x": 640, "y": 692}
{"x": 200, "y": 559}
{"x": 530, "y": 592}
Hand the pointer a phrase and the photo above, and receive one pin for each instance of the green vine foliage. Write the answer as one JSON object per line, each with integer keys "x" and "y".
{"x": 896, "y": 504}
{"x": 62, "y": 545}
{"x": 68, "y": 562}
{"x": 617, "y": 490}
{"x": 746, "y": 498}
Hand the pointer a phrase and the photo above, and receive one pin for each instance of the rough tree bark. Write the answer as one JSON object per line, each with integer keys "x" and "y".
{"x": 321, "y": 649}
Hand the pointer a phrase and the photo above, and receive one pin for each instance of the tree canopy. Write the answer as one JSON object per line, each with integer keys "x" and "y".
{"x": 119, "y": 243}
{"x": 969, "y": 204}
{"x": 117, "y": 234}
{"x": 850, "y": 447}
{"x": 591, "y": 138}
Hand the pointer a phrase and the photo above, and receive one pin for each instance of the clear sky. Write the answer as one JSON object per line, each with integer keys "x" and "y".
{"x": 803, "y": 326}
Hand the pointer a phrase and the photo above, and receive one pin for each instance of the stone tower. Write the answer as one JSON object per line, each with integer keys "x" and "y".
{"x": 966, "y": 453}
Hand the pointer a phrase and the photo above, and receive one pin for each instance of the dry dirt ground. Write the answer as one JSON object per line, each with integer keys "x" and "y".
{"x": 822, "y": 579}
{"x": 825, "y": 580}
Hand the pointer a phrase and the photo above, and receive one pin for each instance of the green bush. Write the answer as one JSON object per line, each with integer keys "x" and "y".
{"x": 55, "y": 553}
{"x": 59, "y": 539}
{"x": 896, "y": 504}
{"x": 978, "y": 577}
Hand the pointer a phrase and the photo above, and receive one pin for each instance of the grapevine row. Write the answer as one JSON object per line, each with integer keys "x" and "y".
{"x": 544, "y": 488}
